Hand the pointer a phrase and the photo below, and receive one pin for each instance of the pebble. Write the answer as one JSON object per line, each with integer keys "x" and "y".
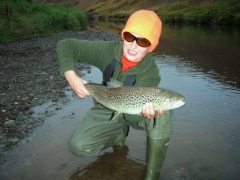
{"x": 13, "y": 140}
{"x": 2, "y": 146}
{"x": 9, "y": 123}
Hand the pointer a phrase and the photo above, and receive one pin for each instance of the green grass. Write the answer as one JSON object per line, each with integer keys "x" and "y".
{"x": 19, "y": 19}
{"x": 222, "y": 12}
{"x": 175, "y": 11}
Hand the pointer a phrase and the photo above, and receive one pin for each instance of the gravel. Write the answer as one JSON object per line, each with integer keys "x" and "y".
{"x": 29, "y": 77}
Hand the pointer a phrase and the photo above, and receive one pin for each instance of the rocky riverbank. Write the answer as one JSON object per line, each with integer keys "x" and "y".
{"x": 30, "y": 77}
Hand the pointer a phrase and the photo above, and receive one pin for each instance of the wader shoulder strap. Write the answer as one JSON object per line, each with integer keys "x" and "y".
{"x": 130, "y": 80}
{"x": 108, "y": 72}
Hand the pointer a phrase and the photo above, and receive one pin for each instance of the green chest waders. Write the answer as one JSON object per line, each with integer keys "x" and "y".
{"x": 99, "y": 130}
{"x": 159, "y": 130}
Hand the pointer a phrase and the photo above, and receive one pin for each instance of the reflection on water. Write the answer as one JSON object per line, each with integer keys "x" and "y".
{"x": 214, "y": 52}
{"x": 202, "y": 64}
{"x": 114, "y": 165}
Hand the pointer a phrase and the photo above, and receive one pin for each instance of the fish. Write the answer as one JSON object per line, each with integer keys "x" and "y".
{"x": 131, "y": 99}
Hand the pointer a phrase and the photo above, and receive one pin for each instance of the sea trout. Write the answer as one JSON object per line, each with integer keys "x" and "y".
{"x": 130, "y": 99}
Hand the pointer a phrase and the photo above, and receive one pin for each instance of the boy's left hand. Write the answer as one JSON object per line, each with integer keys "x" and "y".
{"x": 148, "y": 111}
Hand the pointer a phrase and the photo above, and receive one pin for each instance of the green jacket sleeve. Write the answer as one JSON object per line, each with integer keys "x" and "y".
{"x": 97, "y": 53}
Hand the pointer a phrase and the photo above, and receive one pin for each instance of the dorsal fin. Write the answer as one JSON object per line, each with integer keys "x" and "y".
{"x": 113, "y": 85}
{"x": 90, "y": 81}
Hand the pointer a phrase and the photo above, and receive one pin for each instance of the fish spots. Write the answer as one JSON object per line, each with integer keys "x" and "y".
{"x": 131, "y": 99}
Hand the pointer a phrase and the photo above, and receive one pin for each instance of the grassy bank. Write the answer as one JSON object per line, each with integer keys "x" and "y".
{"x": 20, "y": 18}
{"x": 207, "y": 12}
{"x": 173, "y": 11}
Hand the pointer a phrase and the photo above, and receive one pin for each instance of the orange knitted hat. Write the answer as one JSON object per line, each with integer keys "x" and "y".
{"x": 147, "y": 24}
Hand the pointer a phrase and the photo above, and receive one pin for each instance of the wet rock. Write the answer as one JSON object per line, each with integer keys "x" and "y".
{"x": 9, "y": 123}
{"x": 21, "y": 118}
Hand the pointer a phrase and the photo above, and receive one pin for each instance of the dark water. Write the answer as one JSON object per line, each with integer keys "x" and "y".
{"x": 202, "y": 64}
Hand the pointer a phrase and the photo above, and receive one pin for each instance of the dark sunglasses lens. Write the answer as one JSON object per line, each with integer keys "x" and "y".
{"x": 128, "y": 37}
{"x": 143, "y": 42}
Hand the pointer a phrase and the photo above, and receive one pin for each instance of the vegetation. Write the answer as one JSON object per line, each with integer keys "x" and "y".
{"x": 221, "y": 12}
{"x": 174, "y": 11}
{"x": 21, "y": 18}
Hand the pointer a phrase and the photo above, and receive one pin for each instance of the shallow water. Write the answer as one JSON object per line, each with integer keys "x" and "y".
{"x": 203, "y": 65}
{"x": 200, "y": 63}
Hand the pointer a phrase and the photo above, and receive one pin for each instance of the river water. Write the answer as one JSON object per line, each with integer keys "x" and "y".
{"x": 202, "y": 63}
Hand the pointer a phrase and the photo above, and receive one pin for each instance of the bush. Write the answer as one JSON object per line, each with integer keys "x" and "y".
{"x": 21, "y": 19}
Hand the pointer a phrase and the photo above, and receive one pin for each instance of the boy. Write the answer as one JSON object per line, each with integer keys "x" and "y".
{"x": 128, "y": 63}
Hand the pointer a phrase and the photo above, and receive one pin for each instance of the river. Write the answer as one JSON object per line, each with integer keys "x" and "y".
{"x": 202, "y": 63}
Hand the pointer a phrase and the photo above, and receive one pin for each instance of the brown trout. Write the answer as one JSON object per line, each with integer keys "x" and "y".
{"x": 130, "y": 99}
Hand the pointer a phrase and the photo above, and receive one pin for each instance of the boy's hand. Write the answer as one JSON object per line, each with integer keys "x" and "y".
{"x": 76, "y": 83}
{"x": 148, "y": 111}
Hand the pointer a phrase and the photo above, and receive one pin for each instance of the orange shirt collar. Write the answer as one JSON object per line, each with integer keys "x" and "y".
{"x": 126, "y": 64}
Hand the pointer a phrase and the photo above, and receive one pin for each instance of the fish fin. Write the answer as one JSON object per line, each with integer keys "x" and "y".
{"x": 113, "y": 85}
{"x": 90, "y": 81}
{"x": 155, "y": 113}
{"x": 115, "y": 115}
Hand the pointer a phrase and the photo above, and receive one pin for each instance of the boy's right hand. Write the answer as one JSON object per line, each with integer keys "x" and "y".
{"x": 76, "y": 83}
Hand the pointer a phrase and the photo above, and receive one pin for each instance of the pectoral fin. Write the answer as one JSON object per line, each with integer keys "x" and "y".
{"x": 115, "y": 115}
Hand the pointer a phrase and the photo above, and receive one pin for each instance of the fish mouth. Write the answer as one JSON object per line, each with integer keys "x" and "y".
{"x": 178, "y": 104}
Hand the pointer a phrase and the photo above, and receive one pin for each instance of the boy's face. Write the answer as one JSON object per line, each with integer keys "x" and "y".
{"x": 133, "y": 52}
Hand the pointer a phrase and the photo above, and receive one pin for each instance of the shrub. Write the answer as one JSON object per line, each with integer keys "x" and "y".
{"x": 28, "y": 19}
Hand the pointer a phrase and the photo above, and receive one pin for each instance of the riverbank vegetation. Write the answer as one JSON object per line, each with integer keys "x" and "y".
{"x": 221, "y": 13}
{"x": 173, "y": 11}
{"x": 20, "y": 18}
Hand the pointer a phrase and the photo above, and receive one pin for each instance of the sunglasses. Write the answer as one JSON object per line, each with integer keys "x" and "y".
{"x": 143, "y": 42}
